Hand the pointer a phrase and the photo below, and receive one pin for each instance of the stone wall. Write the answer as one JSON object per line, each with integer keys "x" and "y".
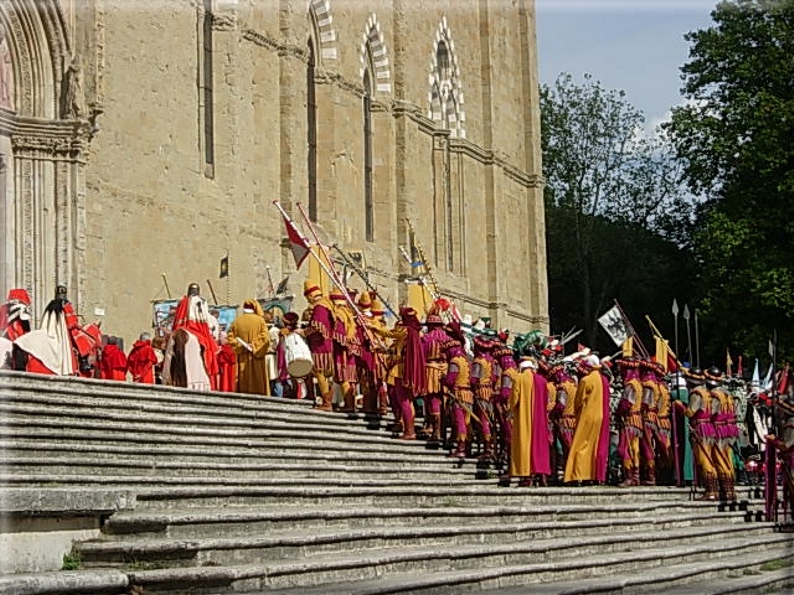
{"x": 471, "y": 183}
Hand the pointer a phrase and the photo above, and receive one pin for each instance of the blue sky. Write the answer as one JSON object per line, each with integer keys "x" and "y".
{"x": 634, "y": 45}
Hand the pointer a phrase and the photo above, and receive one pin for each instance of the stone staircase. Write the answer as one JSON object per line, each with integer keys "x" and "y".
{"x": 167, "y": 491}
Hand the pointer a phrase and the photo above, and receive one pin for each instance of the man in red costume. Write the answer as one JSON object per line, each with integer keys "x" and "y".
{"x": 142, "y": 360}
{"x": 113, "y": 365}
{"x": 319, "y": 336}
{"x": 192, "y": 315}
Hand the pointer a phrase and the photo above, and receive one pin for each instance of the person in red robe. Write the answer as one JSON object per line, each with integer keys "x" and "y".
{"x": 142, "y": 360}
{"x": 227, "y": 365}
{"x": 49, "y": 349}
{"x": 113, "y": 365}
{"x": 192, "y": 315}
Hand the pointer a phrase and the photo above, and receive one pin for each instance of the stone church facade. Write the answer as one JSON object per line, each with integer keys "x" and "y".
{"x": 142, "y": 141}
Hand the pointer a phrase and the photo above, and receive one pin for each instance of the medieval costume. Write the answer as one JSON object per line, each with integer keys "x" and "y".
{"x": 250, "y": 338}
{"x": 142, "y": 360}
{"x": 49, "y": 348}
{"x": 190, "y": 359}
{"x": 629, "y": 421}
{"x": 433, "y": 343}
{"x": 227, "y": 366}
{"x": 587, "y": 460}
{"x": 700, "y": 411}
{"x": 113, "y": 365}
{"x": 319, "y": 337}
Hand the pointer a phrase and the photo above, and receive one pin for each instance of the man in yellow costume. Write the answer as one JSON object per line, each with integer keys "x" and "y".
{"x": 587, "y": 461}
{"x": 250, "y": 338}
{"x": 521, "y": 406}
{"x": 700, "y": 411}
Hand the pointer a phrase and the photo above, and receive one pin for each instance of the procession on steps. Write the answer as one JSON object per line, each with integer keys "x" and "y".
{"x": 527, "y": 406}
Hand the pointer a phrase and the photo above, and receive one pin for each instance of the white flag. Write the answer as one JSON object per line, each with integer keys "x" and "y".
{"x": 615, "y": 325}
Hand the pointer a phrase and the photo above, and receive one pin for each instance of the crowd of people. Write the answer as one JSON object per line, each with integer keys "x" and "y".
{"x": 525, "y": 407}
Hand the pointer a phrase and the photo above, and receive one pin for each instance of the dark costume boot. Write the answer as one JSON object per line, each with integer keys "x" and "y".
{"x": 650, "y": 476}
{"x": 711, "y": 489}
{"x": 327, "y": 404}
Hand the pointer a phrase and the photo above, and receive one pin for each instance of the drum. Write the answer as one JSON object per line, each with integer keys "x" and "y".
{"x": 298, "y": 356}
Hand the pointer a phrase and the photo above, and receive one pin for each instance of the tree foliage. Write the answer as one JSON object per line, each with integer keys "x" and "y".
{"x": 735, "y": 139}
{"x": 617, "y": 220}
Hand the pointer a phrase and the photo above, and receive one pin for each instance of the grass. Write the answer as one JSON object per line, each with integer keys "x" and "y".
{"x": 72, "y": 561}
{"x": 776, "y": 564}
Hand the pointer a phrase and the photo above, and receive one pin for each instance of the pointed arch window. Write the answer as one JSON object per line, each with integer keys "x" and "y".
{"x": 369, "y": 207}
{"x": 208, "y": 136}
{"x": 311, "y": 129}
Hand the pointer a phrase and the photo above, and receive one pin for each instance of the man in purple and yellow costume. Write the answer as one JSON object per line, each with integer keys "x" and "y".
{"x": 699, "y": 411}
{"x": 346, "y": 346}
{"x": 562, "y": 414}
{"x": 629, "y": 421}
{"x": 319, "y": 337}
{"x": 589, "y": 454}
{"x": 506, "y": 365}
{"x": 726, "y": 433}
{"x": 483, "y": 369}
{"x": 458, "y": 381}
{"x": 433, "y": 343}
{"x": 407, "y": 373}
{"x": 650, "y": 421}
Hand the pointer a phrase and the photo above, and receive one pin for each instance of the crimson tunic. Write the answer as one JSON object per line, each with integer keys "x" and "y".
{"x": 141, "y": 362}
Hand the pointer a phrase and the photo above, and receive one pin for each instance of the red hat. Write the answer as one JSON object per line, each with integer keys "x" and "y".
{"x": 19, "y": 295}
{"x": 291, "y": 318}
{"x": 311, "y": 289}
{"x": 433, "y": 320}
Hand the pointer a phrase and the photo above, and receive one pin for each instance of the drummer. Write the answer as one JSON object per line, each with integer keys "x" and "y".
{"x": 291, "y": 386}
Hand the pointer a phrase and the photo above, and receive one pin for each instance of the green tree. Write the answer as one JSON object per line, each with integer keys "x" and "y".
{"x": 735, "y": 138}
{"x": 617, "y": 219}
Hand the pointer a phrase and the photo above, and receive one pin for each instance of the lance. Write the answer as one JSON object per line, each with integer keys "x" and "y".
{"x": 167, "y": 289}
{"x": 271, "y": 291}
{"x": 697, "y": 340}
{"x": 678, "y": 474}
{"x": 688, "y": 333}
{"x": 212, "y": 291}
{"x": 332, "y": 273}
{"x": 364, "y": 276}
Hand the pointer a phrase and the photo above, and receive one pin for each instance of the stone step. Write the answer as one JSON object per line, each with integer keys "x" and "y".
{"x": 264, "y": 453}
{"x": 80, "y": 582}
{"x": 61, "y": 466}
{"x": 289, "y": 545}
{"x": 277, "y": 416}
{"x": 99, "y": 434}
{"x": 452, "y": 570}
{"x": 196, "y": 523}
{"x": 748, "y": 574}
{"x": 428, "y": 495}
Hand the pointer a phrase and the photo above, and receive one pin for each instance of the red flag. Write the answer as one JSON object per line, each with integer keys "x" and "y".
{"x": 740, "y": 370}
{"x": 297, "y": 243}
{"x": 672, "y": 363}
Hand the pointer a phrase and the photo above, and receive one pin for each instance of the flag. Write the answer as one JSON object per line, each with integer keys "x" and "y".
{"x": 728, "y": 363}
{"x": 282, "y": 287}
{"x": 628, "y": 347}
{"x": 615, "y": 325}
{"x": 224, "y": 267}
{"x": 662, "y": 353}
{"x": 740, "y": 369}
{"x": 297, "y": 243}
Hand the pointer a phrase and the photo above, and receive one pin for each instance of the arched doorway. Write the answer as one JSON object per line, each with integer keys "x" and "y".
{"x": 43, "y": 135}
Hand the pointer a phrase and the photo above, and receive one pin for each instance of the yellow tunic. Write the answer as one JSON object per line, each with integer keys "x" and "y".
{"x": 589, "y": 408}
{"x": 521, "y": 405}
{"x": 251, "y": 365}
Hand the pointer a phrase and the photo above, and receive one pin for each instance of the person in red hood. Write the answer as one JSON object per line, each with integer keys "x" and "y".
{"x": 113, "y": 365}
{"x": 142, "y": 360}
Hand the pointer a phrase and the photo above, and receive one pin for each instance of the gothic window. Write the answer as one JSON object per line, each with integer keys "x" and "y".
{"x": 311, "y": 130}
{"x": 208, "y": 136}
{"x": 368, "y": 200}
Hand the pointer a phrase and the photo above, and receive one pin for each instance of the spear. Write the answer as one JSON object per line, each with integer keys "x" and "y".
{"x": 688, "y": 333}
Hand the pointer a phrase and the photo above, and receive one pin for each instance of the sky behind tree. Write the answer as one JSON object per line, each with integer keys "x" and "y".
{"x": 634, "y": 45}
